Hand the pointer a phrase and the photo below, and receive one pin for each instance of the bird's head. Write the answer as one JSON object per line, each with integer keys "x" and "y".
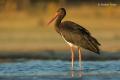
{"x": 61, "y": 12}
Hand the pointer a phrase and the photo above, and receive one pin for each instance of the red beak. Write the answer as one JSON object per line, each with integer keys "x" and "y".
{"x": 56, "y": 15}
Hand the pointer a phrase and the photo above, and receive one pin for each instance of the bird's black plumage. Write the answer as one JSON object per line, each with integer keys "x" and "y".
{"x": 76, "y": 34}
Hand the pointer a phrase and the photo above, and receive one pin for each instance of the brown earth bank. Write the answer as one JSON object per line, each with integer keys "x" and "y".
{"x": 57, "y": 55}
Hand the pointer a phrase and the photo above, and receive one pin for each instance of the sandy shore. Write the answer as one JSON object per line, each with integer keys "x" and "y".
{"x": 60, "y": 55}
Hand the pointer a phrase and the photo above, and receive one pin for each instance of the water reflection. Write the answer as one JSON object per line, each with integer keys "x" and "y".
{"x": 72, "y": 73}
{"x": 76, "y": 73}
{"x": 50, "y": 70}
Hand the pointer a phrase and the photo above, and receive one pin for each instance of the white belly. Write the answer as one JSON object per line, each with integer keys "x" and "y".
{"x": 70, "y": 44}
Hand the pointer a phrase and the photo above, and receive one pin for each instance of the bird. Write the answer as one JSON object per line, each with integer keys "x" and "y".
{"x": 75, "y": 35}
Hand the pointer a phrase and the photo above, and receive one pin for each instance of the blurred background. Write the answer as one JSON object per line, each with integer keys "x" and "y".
{"x": 24, "y": 30}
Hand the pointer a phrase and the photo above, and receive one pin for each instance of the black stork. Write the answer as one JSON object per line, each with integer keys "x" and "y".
{"x": 75, "y": 35}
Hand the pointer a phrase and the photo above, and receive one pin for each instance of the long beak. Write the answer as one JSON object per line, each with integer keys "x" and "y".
{"x": 53, "y": 18}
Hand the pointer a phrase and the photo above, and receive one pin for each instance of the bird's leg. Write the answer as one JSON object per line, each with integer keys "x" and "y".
{"x": 72, "y": 57}
{"x": 80, "y": 58}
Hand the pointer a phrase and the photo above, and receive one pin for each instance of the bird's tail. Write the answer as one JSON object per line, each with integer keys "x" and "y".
{"x": 95, "y": 45}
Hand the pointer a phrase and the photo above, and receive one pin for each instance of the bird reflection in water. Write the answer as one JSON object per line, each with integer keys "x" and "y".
{"x": 74, "y": 73}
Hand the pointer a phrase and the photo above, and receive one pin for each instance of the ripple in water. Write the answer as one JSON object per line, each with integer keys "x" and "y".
{"x": 37, "y": 69}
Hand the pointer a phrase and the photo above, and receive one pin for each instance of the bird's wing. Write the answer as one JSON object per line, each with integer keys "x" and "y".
{"x": 79, "y": 36}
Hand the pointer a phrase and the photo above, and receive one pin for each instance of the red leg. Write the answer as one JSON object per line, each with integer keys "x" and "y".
{"x": 80, "y": 58}
{"x": 80, "y": 63}
{"x": 72, "y": 57}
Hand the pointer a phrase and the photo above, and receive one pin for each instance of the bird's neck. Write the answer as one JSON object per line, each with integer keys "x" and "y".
{"x": 58, "y": 20}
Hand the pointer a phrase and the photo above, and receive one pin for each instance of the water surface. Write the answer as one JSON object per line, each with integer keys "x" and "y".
{"x": 59, "y": 70}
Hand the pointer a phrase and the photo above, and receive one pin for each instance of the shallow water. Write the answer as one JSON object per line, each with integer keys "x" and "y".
{"x": 59, "y": 70}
